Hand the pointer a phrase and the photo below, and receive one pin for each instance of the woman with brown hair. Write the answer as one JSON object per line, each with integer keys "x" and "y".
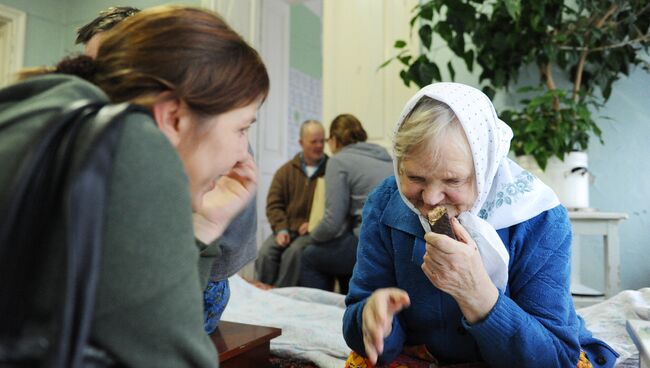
{"x": 181, "y": 172}
{"x": 354, "y": 169}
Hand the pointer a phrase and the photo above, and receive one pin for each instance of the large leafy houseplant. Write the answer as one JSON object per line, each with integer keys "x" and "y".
{"x": 585, "y": 44}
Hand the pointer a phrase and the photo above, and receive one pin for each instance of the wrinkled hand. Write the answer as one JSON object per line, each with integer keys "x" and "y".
{"x": 456, "y": 268}
{"x": 282, "y": 239}
{"x": 230, "y": 195}
{"x": 304, "y": 228}
{"x": 377, "y": 318}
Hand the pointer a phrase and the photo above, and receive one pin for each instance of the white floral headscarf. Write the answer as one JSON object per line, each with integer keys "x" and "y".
{"x": 507, "y": 194}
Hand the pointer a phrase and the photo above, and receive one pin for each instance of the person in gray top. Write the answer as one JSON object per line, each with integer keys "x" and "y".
{"x": 355, "y": 168}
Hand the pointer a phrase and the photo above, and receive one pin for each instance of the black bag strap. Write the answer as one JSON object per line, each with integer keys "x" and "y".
{"x": 49, "y": 184}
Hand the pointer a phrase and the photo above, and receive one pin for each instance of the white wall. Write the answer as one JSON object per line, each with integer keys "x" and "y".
{"x": 12, "y": 42}
{"x": 358, "y": 36}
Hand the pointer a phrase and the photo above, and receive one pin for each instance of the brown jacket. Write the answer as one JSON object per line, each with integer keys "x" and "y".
{"x": 289, "y": 200}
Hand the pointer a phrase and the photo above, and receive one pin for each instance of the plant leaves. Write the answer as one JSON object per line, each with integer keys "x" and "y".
{"x": 405, "y": 59}
{"x": 405, "y": 78}
{"x": 426, "y": 10}
{"x": 508, "y": 37}
{"x": 469, "y": 59}
{"x": 529, "y": 147}
{"x": 425, "y": 35}
{"x": 452, "y": 72}
{"x": 514, "y": 8}
{"x": 385, "y": 63}
{"x": 429, "y": 72}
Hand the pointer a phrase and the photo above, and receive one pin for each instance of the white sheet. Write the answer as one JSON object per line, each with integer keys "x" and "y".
{"x": 606, "y": 320}
{"x": 310, "y": 319}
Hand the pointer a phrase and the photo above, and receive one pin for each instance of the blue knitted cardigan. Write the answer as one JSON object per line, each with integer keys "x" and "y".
{"x": 533, "y": 324}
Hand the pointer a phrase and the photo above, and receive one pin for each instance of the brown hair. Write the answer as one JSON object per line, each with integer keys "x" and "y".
{"x": 347, "y": 129}
{"x": 188, "y": 51}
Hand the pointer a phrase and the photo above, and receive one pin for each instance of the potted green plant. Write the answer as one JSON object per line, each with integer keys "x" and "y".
{"x": 585, "y": 45}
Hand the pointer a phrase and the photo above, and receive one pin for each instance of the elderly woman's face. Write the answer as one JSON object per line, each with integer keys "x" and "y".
{"x": 450, "y": 181}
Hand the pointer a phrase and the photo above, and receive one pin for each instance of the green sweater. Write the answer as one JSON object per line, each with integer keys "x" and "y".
{"x": 148, "y": 311}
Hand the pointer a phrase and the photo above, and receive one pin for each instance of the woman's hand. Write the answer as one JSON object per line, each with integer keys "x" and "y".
{"x": 377, "y": 318}
{"x": 282, "y": 239}
{"x": 230, "y": 195}
{"x": 456, "y": 268}
{"x": 304, "y": 229}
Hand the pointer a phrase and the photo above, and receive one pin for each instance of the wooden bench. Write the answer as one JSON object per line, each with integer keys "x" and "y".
{"x": 243, "y": 346}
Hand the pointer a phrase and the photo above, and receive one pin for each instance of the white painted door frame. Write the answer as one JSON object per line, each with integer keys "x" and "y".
{"x": 265, "y": 25}
{"x": 274, "y": 116}
{"x": 12, "y": 42}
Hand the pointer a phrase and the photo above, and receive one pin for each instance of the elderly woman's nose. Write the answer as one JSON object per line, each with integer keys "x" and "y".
{"x": 432, "y": 195}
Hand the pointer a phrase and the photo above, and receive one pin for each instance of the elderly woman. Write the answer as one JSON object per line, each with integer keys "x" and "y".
{"x": 499, "y": 295}
{"x": 355, "y": 168}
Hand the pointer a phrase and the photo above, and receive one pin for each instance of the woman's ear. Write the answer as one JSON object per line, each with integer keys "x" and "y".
{"x": 167, "y": 117}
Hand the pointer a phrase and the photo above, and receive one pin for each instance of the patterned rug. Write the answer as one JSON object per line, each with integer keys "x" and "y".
{"x": 278, "y": 362}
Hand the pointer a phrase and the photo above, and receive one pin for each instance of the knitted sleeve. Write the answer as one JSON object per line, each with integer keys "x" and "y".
{"x": 534, "y": 324}
{"x": 374, "y": 270}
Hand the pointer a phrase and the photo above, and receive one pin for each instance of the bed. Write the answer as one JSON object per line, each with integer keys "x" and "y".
{"x": 310, "y": 320}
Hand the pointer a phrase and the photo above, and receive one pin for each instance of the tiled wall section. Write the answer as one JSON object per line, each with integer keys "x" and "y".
{"x": 305, "y": 102}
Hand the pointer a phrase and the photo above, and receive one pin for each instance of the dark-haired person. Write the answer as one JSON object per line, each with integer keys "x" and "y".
{"x": 237, "y": 247}
{"x": 354, "y": 169}
{"x": 181, "y": 172}
{"x": 92, "y": 33}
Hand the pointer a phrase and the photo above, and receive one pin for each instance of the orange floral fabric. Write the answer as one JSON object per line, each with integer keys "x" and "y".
{"x": 419, "y": 357}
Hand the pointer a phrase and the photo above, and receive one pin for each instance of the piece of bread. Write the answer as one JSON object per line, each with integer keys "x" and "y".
{"x": 439, "y": 221}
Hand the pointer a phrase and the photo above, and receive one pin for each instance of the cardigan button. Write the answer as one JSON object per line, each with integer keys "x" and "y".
{"x": 461, "y": 330}
{"x": 600, "y": 360}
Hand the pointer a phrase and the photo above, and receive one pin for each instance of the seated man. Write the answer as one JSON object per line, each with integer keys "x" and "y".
{"x": 287, "y": 208}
